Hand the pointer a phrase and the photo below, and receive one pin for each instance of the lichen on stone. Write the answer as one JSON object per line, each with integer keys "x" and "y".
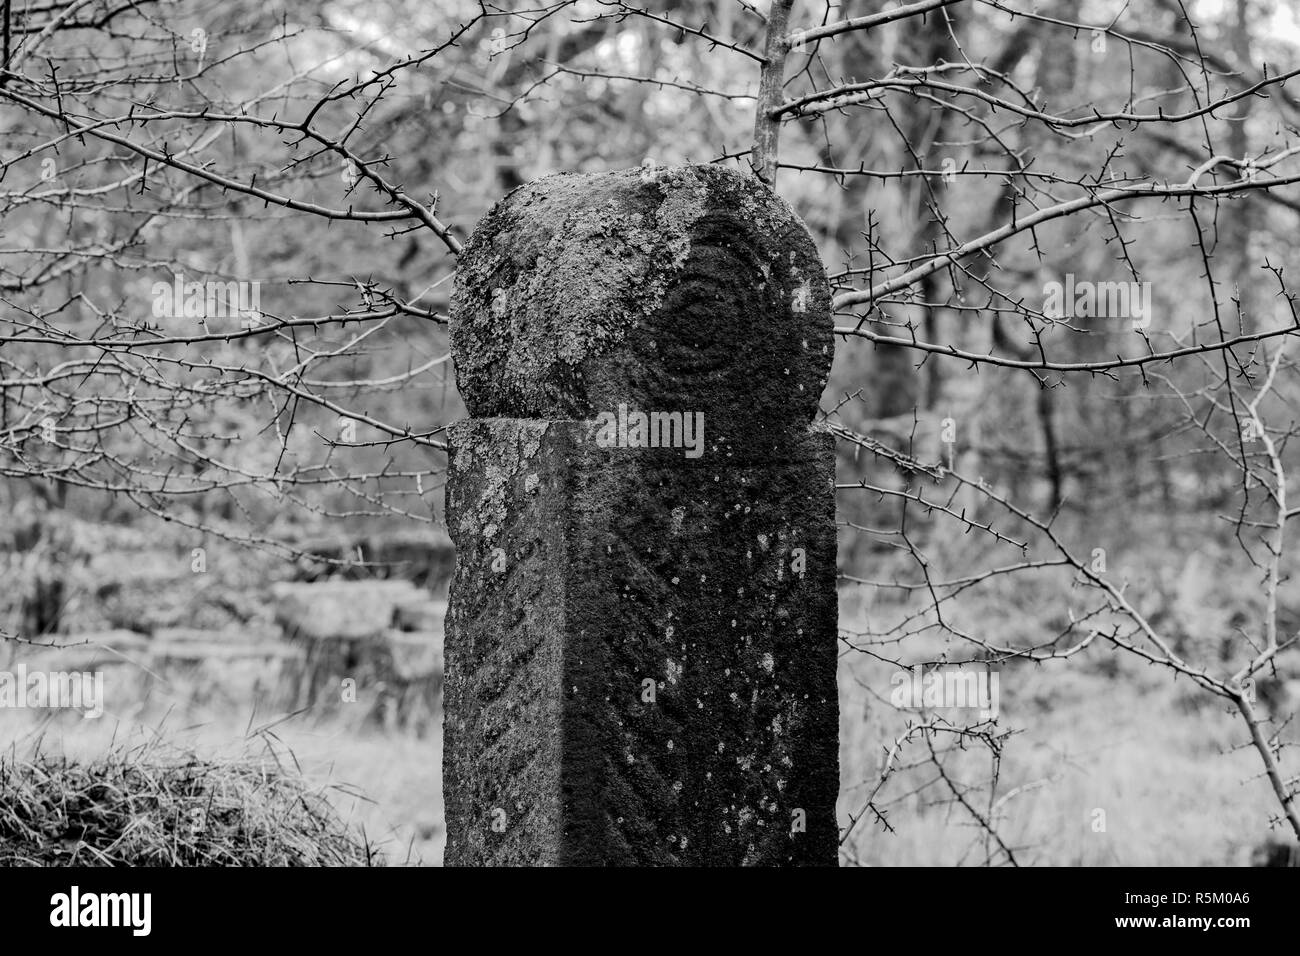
{"x": 515, "y": 443}
{"x": 563, "y": 269}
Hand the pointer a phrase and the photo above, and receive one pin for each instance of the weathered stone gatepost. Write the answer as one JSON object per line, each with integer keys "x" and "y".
{"x": 641, "y": 642}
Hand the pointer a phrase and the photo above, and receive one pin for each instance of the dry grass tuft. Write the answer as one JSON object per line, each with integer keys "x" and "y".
{"x": 135, "y": 808}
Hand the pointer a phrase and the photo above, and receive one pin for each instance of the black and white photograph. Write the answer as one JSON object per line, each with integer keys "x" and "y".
{"x": 775, "y": 434}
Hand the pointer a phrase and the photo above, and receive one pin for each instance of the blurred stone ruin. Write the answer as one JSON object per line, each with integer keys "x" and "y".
{"x": 213, "y": 623}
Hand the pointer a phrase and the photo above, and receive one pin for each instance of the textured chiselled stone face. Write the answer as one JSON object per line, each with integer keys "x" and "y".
{"x": 693, "y": 286}
{"x": 641, "y": 641}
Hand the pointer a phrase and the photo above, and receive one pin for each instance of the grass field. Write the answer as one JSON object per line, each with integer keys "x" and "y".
{"x": 1156, "y": 759}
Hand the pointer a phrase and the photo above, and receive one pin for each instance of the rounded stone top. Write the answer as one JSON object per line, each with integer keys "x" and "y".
{"x": 666, "y": 288}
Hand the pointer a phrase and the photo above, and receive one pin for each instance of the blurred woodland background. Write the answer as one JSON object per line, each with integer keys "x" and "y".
{"x": 231, "y": 509}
